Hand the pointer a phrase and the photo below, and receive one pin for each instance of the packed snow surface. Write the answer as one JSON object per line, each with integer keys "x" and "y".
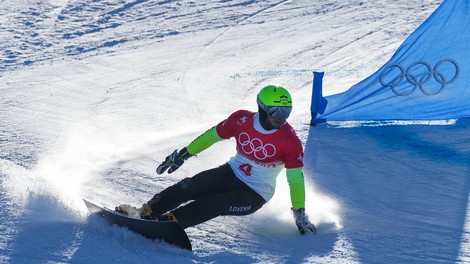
{"x": 94, "y": 94}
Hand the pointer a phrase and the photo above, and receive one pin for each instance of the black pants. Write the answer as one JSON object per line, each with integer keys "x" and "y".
{"x": 213, "y": 192}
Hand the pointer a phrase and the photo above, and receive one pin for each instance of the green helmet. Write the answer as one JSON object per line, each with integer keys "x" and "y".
{"x": 272, "y": 95}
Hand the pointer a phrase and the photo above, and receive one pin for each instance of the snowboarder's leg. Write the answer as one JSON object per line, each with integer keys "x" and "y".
{"x": 238, "y": 202}
{"x": 202, "y": 184}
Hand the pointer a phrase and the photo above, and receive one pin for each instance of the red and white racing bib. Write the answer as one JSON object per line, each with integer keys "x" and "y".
{"x": 261, "y": 154}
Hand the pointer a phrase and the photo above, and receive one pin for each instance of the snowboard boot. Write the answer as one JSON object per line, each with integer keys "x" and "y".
{"x": 128, "y": 210}
{"x": 133, "y": 211}
{"x": 167, "y": 217}
{"x": 161, "y": 218}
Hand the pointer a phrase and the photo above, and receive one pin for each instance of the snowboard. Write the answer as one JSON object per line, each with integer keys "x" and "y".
{"x": 169, "y": 232}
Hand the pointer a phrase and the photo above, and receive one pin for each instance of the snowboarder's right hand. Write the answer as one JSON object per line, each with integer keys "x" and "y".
{"x": 174, "y": 161}
{"x": 302, "y": 222}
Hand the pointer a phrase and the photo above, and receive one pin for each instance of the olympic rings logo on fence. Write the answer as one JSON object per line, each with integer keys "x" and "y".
{"x": 419, "y": 80}
{"x": 256, "y": 146}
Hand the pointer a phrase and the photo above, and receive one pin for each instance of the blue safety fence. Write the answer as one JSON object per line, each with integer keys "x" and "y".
{"x": 428, "y": 77}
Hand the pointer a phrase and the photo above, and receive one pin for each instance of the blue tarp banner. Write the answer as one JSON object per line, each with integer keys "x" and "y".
{"x": 428, "y": 77}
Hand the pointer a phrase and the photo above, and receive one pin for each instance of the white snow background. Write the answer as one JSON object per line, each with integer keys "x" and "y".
{"x": 94, "y": 94}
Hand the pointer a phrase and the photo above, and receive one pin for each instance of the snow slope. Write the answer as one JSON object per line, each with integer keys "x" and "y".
{"x": 95, "y": 93}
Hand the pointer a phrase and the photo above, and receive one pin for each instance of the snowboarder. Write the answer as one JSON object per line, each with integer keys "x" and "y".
{"x": 265, "y": 144}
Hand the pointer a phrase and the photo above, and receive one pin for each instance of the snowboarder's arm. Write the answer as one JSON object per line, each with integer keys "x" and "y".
{"x": 177, "y": 158}
{"x": 295, "y": 178}
{"x": 204, "y": 141}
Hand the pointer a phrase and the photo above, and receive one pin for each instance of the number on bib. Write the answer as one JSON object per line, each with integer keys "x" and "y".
{"x": 246, "y": 168}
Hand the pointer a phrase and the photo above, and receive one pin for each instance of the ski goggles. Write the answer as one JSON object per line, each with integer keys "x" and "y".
{"x": 276, "y": 112}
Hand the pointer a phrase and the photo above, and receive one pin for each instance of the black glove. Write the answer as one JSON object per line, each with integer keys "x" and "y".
{"x": 173, "y": 161}
{"x": 302, "y": 222}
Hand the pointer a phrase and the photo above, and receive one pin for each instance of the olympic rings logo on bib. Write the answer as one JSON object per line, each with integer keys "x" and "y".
{"x": 418, "y": 80}
{"x": 256, "y": 147}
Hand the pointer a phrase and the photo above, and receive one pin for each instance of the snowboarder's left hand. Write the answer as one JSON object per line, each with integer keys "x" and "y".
{"x": 173, "y": 161}
{"x": 302, "y": 222}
